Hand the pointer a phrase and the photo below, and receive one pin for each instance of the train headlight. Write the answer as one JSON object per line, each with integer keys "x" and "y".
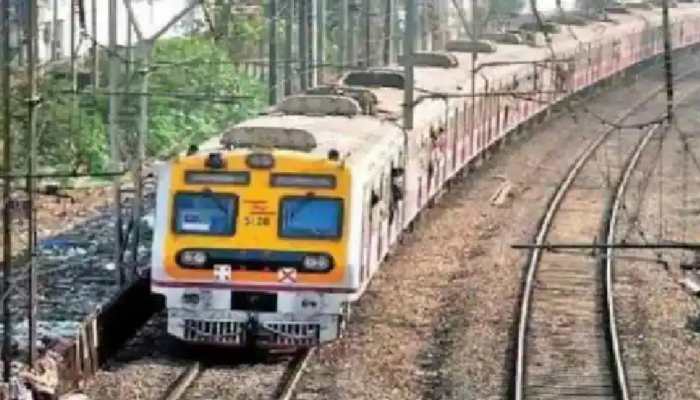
{"x": 318, "y": 263}
{"x": 190, "y": 299}
{"x": 193, "y": 258}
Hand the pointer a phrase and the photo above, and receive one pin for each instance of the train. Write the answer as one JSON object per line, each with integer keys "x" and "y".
{"x": 267, "y": 234}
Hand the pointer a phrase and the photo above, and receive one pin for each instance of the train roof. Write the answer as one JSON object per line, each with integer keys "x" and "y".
{"x": 361, "y": 136}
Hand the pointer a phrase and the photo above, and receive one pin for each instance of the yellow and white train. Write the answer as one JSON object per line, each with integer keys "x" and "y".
{"x": 267, "y": 234}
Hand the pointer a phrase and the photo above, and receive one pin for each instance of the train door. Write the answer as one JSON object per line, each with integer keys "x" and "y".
{"x": 455, "y": 139}
{"x": 396, "y": 194}
{"x": 372, "y": 241}
{"x": 469, "y": 127}
{"x": 367, "y": 213}
{"x": 380, "y": 218}
{"x": 497, "y": 112}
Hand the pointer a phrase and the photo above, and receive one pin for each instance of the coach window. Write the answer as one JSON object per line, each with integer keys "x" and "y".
{"x": 311, "y": 217}
{"x": 205, "y": 213}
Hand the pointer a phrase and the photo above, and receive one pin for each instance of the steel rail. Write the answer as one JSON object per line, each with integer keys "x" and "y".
{"x": 183, "y": 382}
{"x": 544, "y": 228}
{"x": 618, "y": 201}
{"x": 293, "y": 375}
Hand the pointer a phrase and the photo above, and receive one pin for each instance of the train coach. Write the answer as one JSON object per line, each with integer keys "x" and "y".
{"x": 267, "y": 234}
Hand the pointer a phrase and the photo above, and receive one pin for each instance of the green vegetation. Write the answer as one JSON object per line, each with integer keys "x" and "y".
{"x": 193, "y": 82}
{"x": 177, "y": 122}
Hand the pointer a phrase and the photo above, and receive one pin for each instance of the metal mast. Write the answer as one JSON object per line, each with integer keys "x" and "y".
{"x": 32, "y": 102}
{"x": 409, "y": 50}
{"x": 7, "y": 187}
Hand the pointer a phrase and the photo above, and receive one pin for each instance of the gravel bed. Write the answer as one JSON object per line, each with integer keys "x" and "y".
{"x": 256, "y": 381}
{"x": 438, "y": 319}
{"x": 659, "y": 320}
{"x": 142, "y": 369}
{"x": 151, "y": 360}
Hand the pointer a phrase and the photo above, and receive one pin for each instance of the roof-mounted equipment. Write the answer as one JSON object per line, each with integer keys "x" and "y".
{"x": 432, "y": 59}
{"x": 510, "y": 37}
{"x": 375, "y": 78}
{"x": 548, "y": 27}
{"x": 566, "y": 19}
{"x": 640, "y": 5}
{"x": 535, "y": 39}
{"x": 268, "y": 138}
{"x": 617, "y": 9}
{"x": 365, "y": 98}
{"x": 469, "y": 46}
{"x": 319, "y": 104}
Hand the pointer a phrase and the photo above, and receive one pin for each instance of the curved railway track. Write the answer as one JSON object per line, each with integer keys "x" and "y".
{"x": 567, "y": 342}
{"x": 184, "y": 385}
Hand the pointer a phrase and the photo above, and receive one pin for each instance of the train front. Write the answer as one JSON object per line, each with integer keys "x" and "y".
{"x": 250, "y": 247}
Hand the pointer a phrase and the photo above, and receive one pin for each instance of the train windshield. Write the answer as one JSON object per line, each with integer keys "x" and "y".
{"x": 205, "y": 213}
{"x": 311, "y": 218}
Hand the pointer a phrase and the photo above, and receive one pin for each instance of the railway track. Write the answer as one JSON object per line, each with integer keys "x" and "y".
{"x": 184, "y": 385}
{"x": 567, "y": 342}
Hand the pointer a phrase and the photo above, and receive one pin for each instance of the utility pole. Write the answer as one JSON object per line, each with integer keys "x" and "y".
{"x": 54, "y": 33}
{"x": 95, "y": 49}
{"x": 408, "y": 53}
{"x": 352, "y": 11}
{"x": 303, "y": 45}
{"x": 145, "y": 47}
{"x": 475, "y": 37}
{"x": 366, "y": 13}
{"x": 6, "y": 192}
{"x": 419, "y": 25}
{"x": 288, "y": 44}
{"x": 389, "y": 11}
{"x": 668, "y": 62}
{"x": 32, "y": 102}
{"x": 115, "y": 156}
{"x": 272, "y": 56}
{"x": 313, "y": 41}
{"x": 343, "y": 53}
{"x": 73, "y": 67}
{"x": 320, "y": 39}
{"x": 73, "y": 6}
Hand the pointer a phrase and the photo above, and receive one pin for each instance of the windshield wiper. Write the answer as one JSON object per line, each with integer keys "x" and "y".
{"x": 300, "y": 206}
{"x": 218, "y": 201}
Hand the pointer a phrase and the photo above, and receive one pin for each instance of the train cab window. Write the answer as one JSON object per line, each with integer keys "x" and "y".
{"x": 205, "y": 213}
{"x": 311, "y": 218}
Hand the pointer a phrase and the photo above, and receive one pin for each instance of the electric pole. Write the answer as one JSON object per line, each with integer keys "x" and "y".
{"x": 343, "y": 48}
{"x": 352, "y": 11}
{"x": 95, "y": 50}
{"x": 115, "y": 156}
{"x": 320, "y": 39}
{"x": 6, "y": 193}
{"x": 313, "y": 41}
{"x": 288, "y": 44}
{"x": 366, "y": 13}
{"x": 303, "y": 44}
{"x": 272, "y": 56}
{"x": 408, "y": 53}
{"x": 54, "y": 35}
{"x": 668, "y": 62}
{"x": 389, "y": 12}
{"x": 32, "y": 102}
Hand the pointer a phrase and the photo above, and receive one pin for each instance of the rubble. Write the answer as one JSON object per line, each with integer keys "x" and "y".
{"x": 74, "y": 265}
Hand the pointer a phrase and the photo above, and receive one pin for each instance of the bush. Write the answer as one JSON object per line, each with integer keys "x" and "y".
{"x": 184, "y": 109}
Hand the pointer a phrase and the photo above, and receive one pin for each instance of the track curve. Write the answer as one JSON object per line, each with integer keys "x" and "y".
{"x": 602, "y": 384}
